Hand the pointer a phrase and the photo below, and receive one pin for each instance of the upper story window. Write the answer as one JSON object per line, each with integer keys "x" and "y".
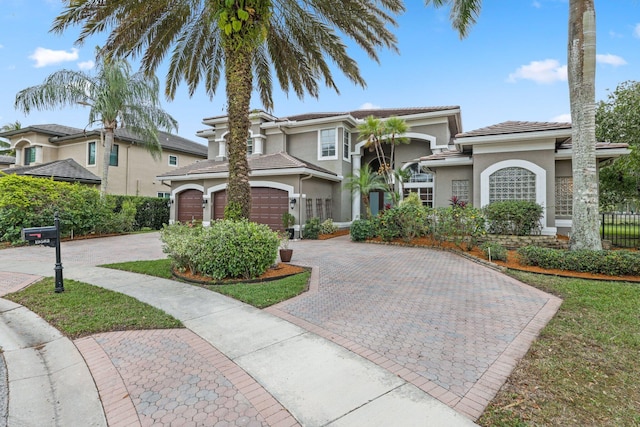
{"x": 346, "y": 144}
{"x": 249, "y": 146}
{"x": 512, "y": 183}
{"x": 327, "y": 144}
{"x": 29, "y": 155}
{"x": 173, "y": 160}
{"x": 91, "y": 154}
{"x": 113, "y": 158}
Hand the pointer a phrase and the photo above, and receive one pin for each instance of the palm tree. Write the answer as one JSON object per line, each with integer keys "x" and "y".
{"x": 377, "y": 132}
{"x": 248, "y": 40}
{"x": 581, "y": 54}
{"x": 116, "y": 98}
{"x": 364, "y": 182}
{"x": 4, "y": 145}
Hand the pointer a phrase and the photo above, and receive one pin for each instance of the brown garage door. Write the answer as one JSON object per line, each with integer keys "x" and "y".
{"x": 190, "y": 205}
{"x": 267, "y": 206}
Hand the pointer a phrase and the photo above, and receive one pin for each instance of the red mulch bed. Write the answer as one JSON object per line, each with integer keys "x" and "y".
{"x": 279, "y": 271}
{"x": 512, "y": 260}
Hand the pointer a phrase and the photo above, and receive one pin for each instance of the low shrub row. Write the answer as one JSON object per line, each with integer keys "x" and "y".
{"x": 226, "y": 249}
{"x": 613, "y": 263}
{"x": 459, "y": 223}
{"x": 313, "y": 228}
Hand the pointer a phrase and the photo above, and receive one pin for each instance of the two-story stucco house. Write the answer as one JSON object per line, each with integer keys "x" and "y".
{"x": 71, "y": 154}
{"x": 299, "y": 164}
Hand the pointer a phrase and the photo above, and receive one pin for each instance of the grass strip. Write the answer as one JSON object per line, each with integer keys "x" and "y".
{"x": 84, "y": 309}
{"x": 260, "y": 294}
{"x": 583, "y": 368}
{"x": 265, "y": 294}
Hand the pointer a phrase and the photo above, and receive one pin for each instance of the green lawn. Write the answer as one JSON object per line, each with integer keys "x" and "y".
{"x": 83, "y": 309}
{"x": 583, "y": 370}
{"x": 260, "y": 295}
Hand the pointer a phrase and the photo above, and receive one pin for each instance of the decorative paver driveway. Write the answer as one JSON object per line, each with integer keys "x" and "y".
{"x": 451, "y": 326}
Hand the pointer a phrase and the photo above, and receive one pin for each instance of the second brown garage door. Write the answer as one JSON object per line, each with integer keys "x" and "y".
{"x": 267, "y": 206}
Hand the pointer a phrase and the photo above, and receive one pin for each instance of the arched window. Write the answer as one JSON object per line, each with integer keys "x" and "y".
{"x": 512, "y": 183}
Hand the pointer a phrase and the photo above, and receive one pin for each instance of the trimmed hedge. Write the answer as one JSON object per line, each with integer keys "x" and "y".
{"x": 226, "y": 249}
{"x": 613, "y": 263}
{"x": 31, "y": 202}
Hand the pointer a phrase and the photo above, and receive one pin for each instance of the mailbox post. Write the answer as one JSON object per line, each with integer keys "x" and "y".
{"x": 48, "y": 236}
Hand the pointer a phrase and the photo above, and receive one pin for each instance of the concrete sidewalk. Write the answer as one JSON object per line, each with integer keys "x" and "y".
{"x": 316, "y": 381}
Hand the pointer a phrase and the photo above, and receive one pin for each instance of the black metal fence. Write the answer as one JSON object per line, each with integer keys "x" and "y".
{"x": 621, "y": 229}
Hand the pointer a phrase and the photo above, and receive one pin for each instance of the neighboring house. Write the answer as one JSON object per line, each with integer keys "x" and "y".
{"x": 6, "y": 161}
{"x": 71, "y": 154}
{"x": 299, "y": 164}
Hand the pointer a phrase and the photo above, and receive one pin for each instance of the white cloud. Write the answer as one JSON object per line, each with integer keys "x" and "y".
{"x": 537, "y": 4}
{"x": 636, "y": 31}
{"x": 86, "y": 65}
{"x": 546, "y": 71}
{"x": 562, "y": 118}
{"x": 1, "y": 46}
{"x": 369, "y": 106}
{"x": 44, "y": 57}
{"x": 610, "y": 59}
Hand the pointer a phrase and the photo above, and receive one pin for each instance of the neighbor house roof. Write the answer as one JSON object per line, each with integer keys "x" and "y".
{"x": 7, "y": 160}
{"x": 60, "y": 133}
{"x": 60, "y": 170}
{"x": 266, "y": 162}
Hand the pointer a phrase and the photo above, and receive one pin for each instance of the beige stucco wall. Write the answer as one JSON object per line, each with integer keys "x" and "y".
{"x": 443, "y": 183}
{"x": 542, "y": 158}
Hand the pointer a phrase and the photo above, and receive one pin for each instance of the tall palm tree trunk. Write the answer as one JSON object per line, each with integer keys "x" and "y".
{"x": 109, "y": 133}
{"x": 582, "y": 68}
{"x": 239, "y": 79}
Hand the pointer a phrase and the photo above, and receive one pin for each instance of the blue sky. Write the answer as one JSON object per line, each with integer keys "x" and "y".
{"x": 512, "y": 66}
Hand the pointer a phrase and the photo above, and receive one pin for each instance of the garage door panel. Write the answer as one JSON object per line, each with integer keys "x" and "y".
{"x": 189, "y": 205}
{"x": 267, "y": 206}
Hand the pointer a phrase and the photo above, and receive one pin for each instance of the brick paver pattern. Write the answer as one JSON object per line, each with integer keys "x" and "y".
{"x": 173, "y": 377}
{"x": 440, "y": 316}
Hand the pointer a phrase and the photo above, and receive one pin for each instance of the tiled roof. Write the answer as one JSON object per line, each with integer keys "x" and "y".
{"x": 49, "y": 129}
{"x": 568, "y": 144}
{"x": 7, "y": 160}
{"x": 515, "y": 127}
{"x": 378, "y": 112}
{"x": 168, "y": 141}
{"x": 273, "y": 161}
{"x": 445, "y": 155}
{"x": 60, "y": 170}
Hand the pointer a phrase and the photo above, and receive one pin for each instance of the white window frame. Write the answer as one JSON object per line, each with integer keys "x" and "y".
{"x": 95, "y": 152}
{"x": 335, "y": 144}
{"x": 250, "y": 146}
{"x": 164, "y": 194}
{"x": 541, "y": 186}
{"x": 169, "y": 160}
{"x": 346, "y": 145}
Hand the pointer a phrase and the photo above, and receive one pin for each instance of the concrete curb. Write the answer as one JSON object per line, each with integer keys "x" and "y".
{"x": 48, "y": 380}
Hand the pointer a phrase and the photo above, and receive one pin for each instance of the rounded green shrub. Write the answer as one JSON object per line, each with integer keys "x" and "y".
{"x": 361, "y": 230}
{"x": 513, "y": 217}
{"x": 312, "y": 229}
{"x": 494, "y": 251}
{"x": 226, "y": 249}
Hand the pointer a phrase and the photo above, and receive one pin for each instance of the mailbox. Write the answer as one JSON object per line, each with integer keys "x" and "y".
{"x": 41, "y": 235}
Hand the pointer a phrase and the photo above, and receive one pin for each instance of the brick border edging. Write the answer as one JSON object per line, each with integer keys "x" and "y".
{"x": 114, "y": 396}
{"x": 119, "y": 408}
